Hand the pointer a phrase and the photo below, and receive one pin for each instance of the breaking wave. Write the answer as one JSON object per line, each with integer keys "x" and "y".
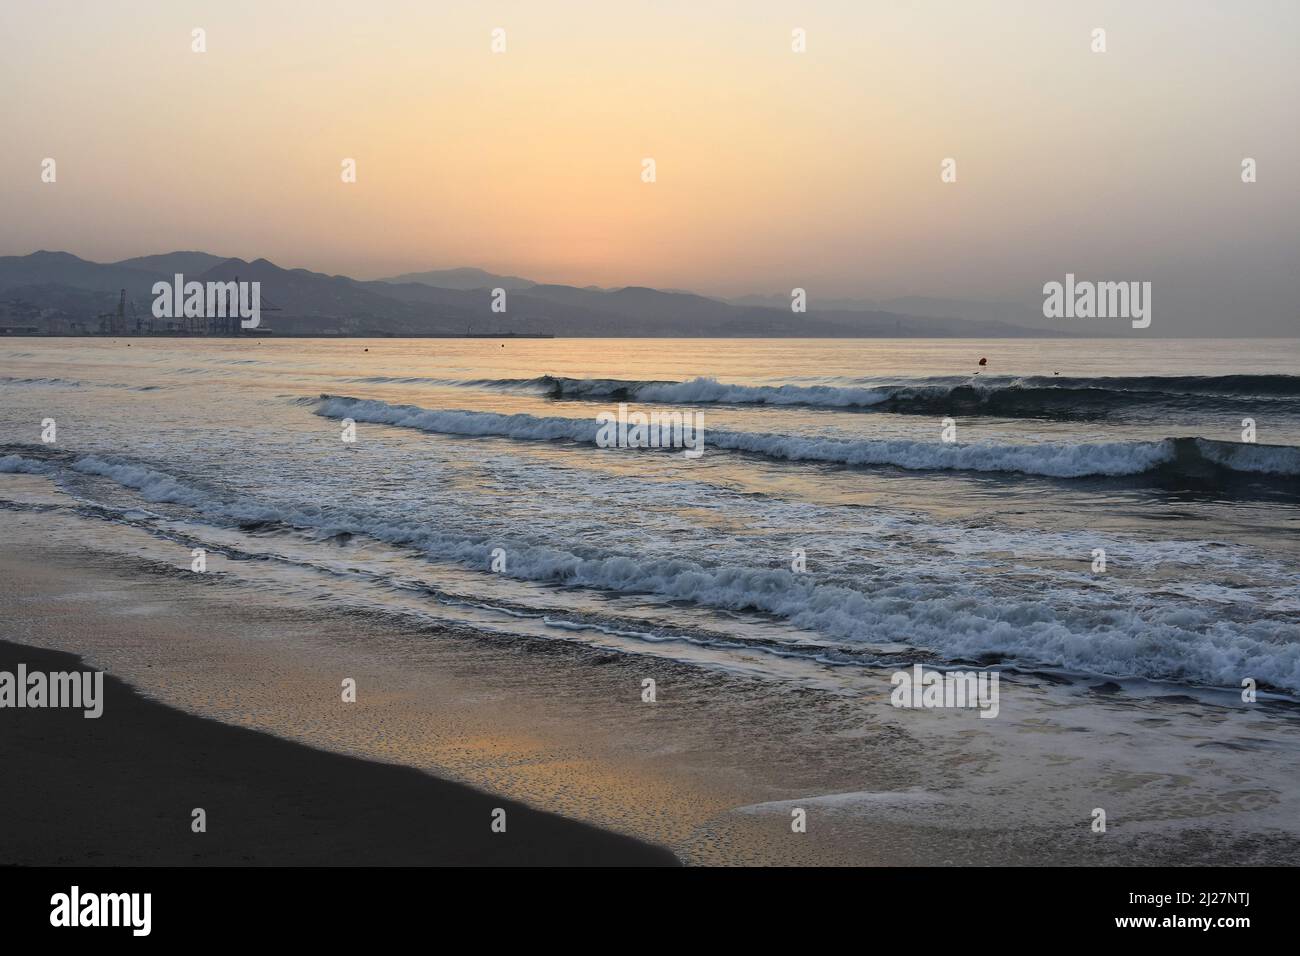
{"x": 1025, "y": 397}
{"x": 1194, "y": 457}
{"x": 959, "y": 620}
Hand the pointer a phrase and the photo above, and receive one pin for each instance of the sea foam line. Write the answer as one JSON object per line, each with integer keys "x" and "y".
{"x": 956, "y": 619}
{"x": 1004, "y": 395}
{"x": 1058, "y": 460}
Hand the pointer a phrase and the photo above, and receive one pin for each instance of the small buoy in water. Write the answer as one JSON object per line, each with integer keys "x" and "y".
{"x": 984, "y": 361}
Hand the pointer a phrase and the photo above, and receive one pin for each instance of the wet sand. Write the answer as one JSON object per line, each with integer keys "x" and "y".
{"x": 711, "y": 771}
{"x": 121, "y": 790}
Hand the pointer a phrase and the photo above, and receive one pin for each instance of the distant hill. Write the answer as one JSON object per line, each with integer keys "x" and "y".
{"x": 970, "y": 310}
{"x": 170, "y": 263}
{"x": 315, "y": 302}
{"x": 63, "y": 269}
{"x": 462, "y": 279}
{"x": 54, "y": 289}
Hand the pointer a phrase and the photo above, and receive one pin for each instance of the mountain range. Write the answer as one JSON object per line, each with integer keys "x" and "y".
{"x": 50, "y": 291}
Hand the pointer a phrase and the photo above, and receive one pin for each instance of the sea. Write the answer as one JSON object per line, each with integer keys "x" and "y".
{"x": 690, "y": 643}
{"x": 1117, "y": 510}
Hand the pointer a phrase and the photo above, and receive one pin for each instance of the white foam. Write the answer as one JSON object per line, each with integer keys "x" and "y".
{"x": 17, "y": 464}
{"x": 1244, "y": 456}
{"x": 1051, "y": 459}
{"x": 710, "y": 390}
{"x": 850, "y": 800}
{"x": 955, "y": 619}
{"x": 958, "y": 617}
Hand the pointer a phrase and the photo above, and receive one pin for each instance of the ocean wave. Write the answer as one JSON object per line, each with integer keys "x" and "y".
{"x": 1030, "y": 396}
{"x": 59, "y": 382}
{"x": 152, "y": 485}
{"x": 72, "y": 383}
{"x": 20, "y": 465}
{"x": 704, "y": 391}
{"x": 1193, "y": 457}
{"x": 958, "y": 619}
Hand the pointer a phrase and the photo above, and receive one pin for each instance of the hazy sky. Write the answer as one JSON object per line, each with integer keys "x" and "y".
{"x": 774, "y": 169}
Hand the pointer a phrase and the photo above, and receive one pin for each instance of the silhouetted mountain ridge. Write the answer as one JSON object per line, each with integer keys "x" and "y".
{"x": 69, "y": 288}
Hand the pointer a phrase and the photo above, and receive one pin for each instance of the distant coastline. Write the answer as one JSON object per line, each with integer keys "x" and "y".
{"x": 60, "y": 293}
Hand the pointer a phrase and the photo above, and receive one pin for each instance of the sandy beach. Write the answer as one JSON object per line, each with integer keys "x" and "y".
{"x": 710, "y": 772}
{"x": 122, "y": 789}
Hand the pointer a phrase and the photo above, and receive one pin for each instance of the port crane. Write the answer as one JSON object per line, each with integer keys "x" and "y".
{"x": 127, "y": 320}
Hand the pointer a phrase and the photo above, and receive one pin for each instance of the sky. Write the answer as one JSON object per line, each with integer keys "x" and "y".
{"x": 773, "y": 169}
